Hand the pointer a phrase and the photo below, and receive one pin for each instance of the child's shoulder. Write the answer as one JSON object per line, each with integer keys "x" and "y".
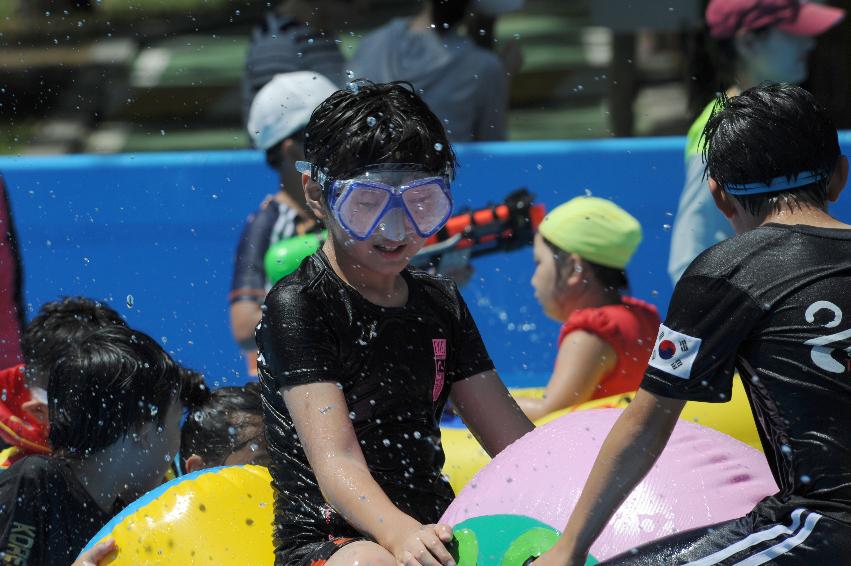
{"x": 749, "y": 260}
{"x": 437, "y": 293}
{"x": 309, "y": 279}
{"x": 441, "y": 284}
{"x": 35, "y": 468}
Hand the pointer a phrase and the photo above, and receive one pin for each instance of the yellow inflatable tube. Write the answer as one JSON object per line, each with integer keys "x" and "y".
{"x": 215, "y": 516}
{"x": 225, "y": 515}
{"x": 464, "y": 456}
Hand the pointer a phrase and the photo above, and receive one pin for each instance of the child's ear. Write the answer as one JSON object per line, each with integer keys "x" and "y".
{"x": 722, "y": 199}
{"x": 291, "y": 150}
{"x": 142, "y": 433}
{"x": 193, "y": 464}
{"x": 313, "y": 196}
{"x": 838, "y": 180}
{"x": 576, "y": 274}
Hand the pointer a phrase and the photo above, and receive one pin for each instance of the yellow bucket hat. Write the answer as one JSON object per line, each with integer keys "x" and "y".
{"x": 595, "y": 229}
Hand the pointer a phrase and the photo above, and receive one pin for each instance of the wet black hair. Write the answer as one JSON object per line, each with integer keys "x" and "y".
{"x": 230, "y": 418}
{"x": 446, "y": 14}
{"x": 60, "y": 324}
{"x": 610, "y": 278}
{"x": 371, "y": 123}
{"x": 193, "y": 388}
{"x": 106, "y": 386}
{"x": 769, "y": 131}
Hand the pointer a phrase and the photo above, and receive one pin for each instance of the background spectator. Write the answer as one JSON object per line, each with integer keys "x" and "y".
{"x": 276, "y": 124}
{"x": 464, "y": 84}
{"x": 298, "y": 36}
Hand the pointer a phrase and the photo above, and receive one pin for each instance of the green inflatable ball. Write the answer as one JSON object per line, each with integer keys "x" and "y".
{"x": 502, "y": 540}
{"x": 284, "y": 257}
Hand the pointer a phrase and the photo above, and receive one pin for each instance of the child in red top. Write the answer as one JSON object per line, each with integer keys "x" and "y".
{"x": 581, "y": 252}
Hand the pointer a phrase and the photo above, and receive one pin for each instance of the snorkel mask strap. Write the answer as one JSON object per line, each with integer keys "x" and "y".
{"x": 315, "y": 173}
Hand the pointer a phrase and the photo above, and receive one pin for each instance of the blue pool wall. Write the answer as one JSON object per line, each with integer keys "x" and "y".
{"x": 154, "y": 235}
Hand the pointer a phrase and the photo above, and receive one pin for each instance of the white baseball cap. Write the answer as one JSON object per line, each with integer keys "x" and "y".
{"x": 284, "y": 105}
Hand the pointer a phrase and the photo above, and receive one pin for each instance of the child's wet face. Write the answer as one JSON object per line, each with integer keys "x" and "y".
{"x": 380, "y": 253}
{"x": 778, "y": 56}
{"x": 161, "y": 443}
{"x": 545, "y": 279}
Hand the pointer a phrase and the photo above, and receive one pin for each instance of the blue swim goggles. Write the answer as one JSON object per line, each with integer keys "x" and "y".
{"x": 383, "y": 196}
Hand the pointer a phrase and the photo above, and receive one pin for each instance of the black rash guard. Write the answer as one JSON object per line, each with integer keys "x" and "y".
{"x": 772, "y": 304}
{"x": 46, "y": 515}
{"x": 395, "y": 367}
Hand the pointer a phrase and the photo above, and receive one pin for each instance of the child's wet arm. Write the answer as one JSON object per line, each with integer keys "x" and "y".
{"x": 321, "y": 417}
{"x": 490, "y": 411}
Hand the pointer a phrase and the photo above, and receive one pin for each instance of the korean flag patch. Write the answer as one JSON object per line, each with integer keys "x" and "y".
{"x": 674, "y": 352}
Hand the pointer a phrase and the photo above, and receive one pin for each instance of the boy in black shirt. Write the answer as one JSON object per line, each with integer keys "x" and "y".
{"x": 358, "y": 354}
{"x": 114, "y": 420}
{"x": 772, "y": 303}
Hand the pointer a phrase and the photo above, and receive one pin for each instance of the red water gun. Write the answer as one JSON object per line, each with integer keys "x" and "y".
{"x": 473, "y": 233}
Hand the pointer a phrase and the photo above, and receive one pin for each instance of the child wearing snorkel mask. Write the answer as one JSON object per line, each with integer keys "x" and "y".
{"x": 358, "y": 354}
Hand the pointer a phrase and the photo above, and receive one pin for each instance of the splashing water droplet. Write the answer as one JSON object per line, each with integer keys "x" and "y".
{"x": 438, "y": 146}
{"x": 371, "y": 121}
{"x": 130, "y": 301}
{"x": 666, "y": 227}
{"x": 386, "y": 442}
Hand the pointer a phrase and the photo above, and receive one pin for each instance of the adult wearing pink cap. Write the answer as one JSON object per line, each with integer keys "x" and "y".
{"x": 753, "y": 41}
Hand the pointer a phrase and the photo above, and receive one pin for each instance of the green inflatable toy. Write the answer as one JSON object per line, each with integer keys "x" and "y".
{"x": 284, "y": 257}
{"x": 502, "y": 540}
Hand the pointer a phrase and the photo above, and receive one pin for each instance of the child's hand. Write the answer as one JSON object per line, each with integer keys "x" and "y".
{"x": 97, "y": 553}
{"x": 423, "y": 546}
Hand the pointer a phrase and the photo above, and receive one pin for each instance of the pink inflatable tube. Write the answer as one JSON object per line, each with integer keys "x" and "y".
{"x": 702, "y": 477}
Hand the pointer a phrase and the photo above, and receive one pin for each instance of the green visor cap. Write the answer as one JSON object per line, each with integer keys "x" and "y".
{"x": 595, "y": 229}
